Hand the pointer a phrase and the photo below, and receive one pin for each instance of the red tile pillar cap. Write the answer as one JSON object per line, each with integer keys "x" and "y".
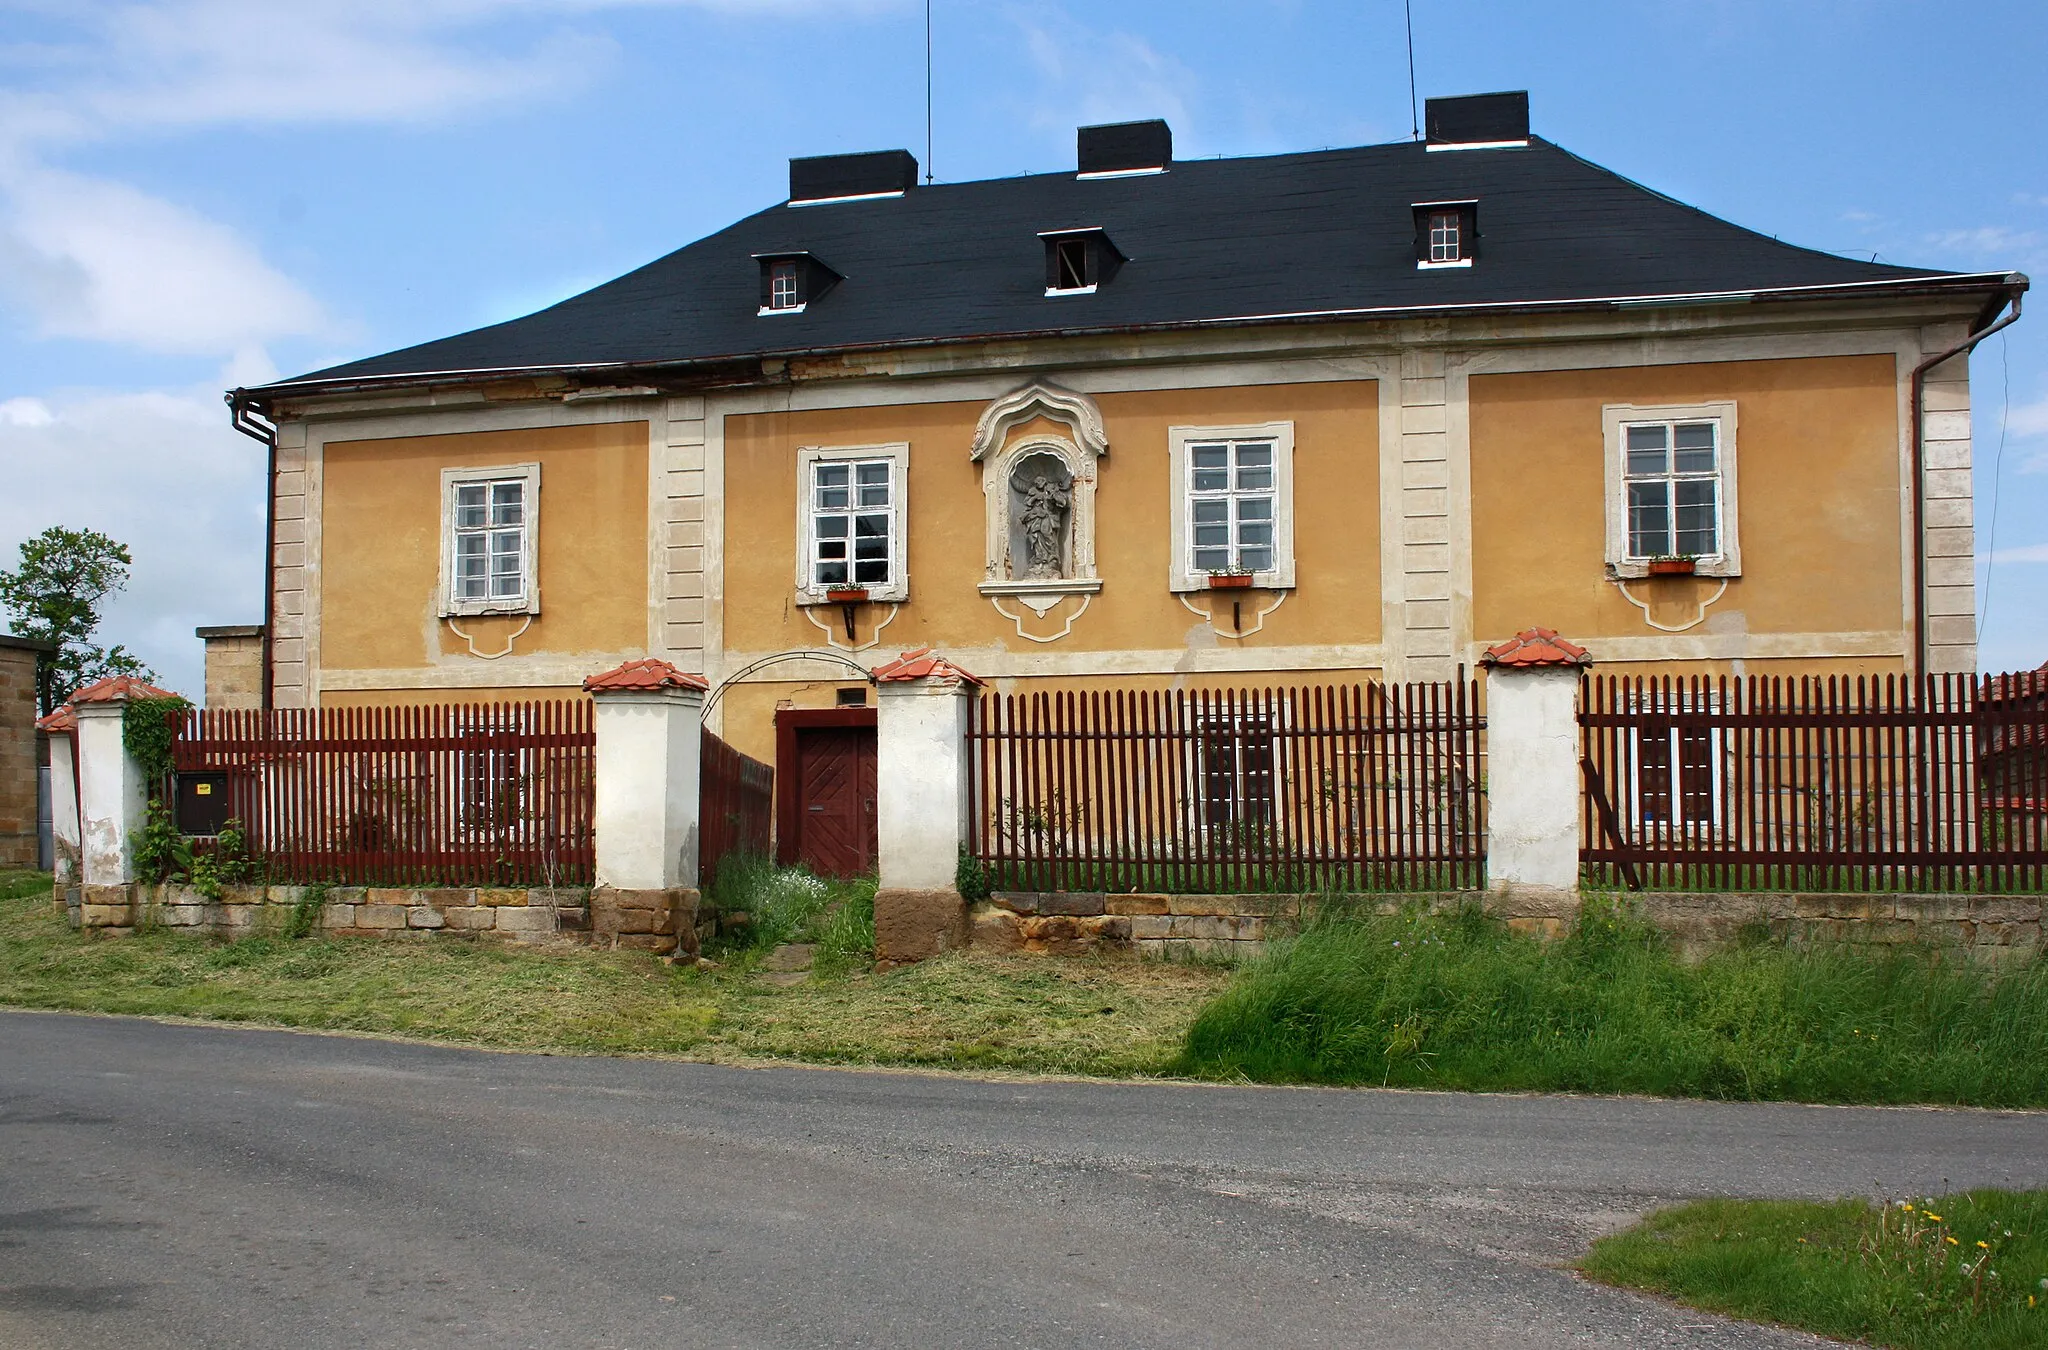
{"x": 61, "y": 720}
{"x": 117, "y": 689}
{"x": 923, "y": 664}
{"x": 1536, "y": 649}
{"x": 644, "y": 676}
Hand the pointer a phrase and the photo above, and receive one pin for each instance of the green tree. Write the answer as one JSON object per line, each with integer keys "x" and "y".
{"x": 55, "y": 595}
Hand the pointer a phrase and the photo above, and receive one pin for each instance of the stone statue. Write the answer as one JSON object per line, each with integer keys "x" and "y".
{"x": 1047, "y": 494}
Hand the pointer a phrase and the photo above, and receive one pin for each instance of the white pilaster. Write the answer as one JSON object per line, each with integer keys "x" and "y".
{"x": 649, "y": 758}
{"x": 1532, "y": 774}
{"x": 64, "y": 808}
{"x": 921, "y": 789}
{"x": 113, "y": 796}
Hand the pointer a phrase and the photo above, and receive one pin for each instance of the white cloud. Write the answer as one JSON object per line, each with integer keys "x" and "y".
{"x": 2025, "y": 553}
{"x": 1998, "y": 244}
{"x": 2028, "y": 419}
{"x": 25, "y": 412}
{"x": 89, "y": 258}
{"x": 1087, "y": 77}
{"x": 162, "y": 472}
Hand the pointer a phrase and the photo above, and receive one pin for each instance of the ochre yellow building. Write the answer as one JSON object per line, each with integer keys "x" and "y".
{"x": 1344, "y": 416}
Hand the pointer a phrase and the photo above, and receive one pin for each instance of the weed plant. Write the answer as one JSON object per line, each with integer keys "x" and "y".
{"x": 790, "y": 904}
{"x": 1459, "y": 1001}
{"x": 1967, "y": 1270}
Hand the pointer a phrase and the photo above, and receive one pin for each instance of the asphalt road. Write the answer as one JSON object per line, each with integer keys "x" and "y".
{"x": 187, "y": 1186}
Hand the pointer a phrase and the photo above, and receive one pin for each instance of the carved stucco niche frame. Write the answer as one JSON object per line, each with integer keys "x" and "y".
{"x": 1077, "y": 452}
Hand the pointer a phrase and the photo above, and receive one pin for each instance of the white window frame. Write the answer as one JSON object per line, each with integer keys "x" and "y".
{"x": 453, "y": 605}
{"x": 1679, "y": 825}
{"x": 799, "y": 301}
{"x": 1615, "y": 419}
{"x": 897, "y": 453}
{"x": 1183, "y": 576}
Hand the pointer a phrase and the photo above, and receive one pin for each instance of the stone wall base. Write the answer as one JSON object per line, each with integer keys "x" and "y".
{"x": 1073, "y": 922}
{"x": 634, "y": 920}
{"x": 911, "y": 925}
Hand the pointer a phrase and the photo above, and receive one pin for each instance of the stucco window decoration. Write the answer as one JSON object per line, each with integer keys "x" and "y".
{"x": 490, "y": 525}
{"x": 1038, "y": 494}
{"x": 850, "y": 514}
{"x": 1671, "y": 488}
{"x": 1233, "y": 510}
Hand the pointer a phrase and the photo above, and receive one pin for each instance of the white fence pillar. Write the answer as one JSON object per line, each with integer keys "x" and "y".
{"x": 62, "y": 728}
{"x": 1532, "y": 764}
{"x": 921, "y": 799}
{"x": 113, "y": 798}
{"x": 650, "y": 729}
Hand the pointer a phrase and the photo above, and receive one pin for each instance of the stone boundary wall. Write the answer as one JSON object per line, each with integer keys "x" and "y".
{"x": 652, "y": 921}
{"x": 1070, "y": 923}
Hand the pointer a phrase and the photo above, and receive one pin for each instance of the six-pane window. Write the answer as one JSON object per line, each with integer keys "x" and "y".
{"x": 490, "y": 541}
{"x": 1445, "y": 242}
{"x": 782, "y": 286}
{"x": 1230, "y": 505}
{"x": 1673, "y": 477}
{"x": 853, "y": 516}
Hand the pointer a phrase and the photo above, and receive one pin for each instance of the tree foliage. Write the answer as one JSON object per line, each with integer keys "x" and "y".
{"x": 56, "y": 595}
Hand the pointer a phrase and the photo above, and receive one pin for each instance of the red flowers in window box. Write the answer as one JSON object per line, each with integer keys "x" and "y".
{"x": 1230, "y": 581}
{"x": 1673, "y": 567}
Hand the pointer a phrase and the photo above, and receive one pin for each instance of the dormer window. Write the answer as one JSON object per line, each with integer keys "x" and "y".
{"x": 791, "y": 281}
{"x": 1078, "y": 261}
{"x": 783, "y": 287}
{"x": 1446, "y": 234}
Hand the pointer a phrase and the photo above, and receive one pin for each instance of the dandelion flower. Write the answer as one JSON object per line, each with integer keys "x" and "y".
{"x": 1951, "y": 1242}
{"x": 1985, "y": 1245}
{"x": 1932, "y": 1217}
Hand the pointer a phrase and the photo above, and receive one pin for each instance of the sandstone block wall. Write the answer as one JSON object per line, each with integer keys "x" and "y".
{"x": 651, "y": 921}
{"x": 18, "y": 754}
{"x": 234, "y": 665}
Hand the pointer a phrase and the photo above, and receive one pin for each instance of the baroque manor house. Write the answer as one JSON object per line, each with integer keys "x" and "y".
{"x": 1346, "y": 415}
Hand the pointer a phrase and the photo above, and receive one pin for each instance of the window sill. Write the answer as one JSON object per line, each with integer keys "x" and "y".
{"x": 1638, "y": 569}
{"x": 1048, "y": 586}
{"x": 766, "y": 310}
{"x": 1261, "y": 581}
{"x": 472, "y": 609}
{"x": 876, "y": 595}
{"x": 1052, "y": 291}
{"x": 1421, "y": 266}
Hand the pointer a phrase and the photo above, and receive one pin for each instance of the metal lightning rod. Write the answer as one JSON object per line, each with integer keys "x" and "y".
{"x": 1408, "y": 13}
{"x": 928, "y": 92}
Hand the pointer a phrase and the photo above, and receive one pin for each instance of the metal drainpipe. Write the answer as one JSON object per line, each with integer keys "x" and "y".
{"x": 259, "y": 428}
{"x": 1920, "y": 476}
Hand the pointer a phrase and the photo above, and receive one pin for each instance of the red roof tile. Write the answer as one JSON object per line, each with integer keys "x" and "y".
{"x": 1533, "y": 648}
{"x": 61, "y": 720}
{"x": 649, "y": 673}
{"x": 118, "y": 689}
{"x": 923, "y": 664}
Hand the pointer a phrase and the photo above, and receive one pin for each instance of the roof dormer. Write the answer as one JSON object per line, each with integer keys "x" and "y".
{"x": 1078, "y": 261}
{"x": 791, "y": 281}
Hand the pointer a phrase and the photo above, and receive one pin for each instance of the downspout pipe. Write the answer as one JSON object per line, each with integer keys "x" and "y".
{"x": 2016, "y": 287}
{"x": 252, "y": 423}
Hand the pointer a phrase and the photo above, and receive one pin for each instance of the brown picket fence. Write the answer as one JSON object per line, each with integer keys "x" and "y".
{"x": 1372, "y": 787}
{"x": 1816, "y": 784}
{"x": 482, "y": 794}
{"x": 736, "y": 806}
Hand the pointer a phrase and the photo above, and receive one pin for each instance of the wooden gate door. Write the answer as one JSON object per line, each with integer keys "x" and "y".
{"x": 825, "y": 773}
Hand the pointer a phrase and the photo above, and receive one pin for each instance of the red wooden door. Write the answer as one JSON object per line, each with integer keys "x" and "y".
{"x": 835, "y": 800}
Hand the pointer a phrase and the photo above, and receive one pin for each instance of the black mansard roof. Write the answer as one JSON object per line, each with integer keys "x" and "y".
{"x": 1266, "y": 239}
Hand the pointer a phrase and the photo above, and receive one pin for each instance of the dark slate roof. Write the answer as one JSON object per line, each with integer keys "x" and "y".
{"x": 1208, "y": 241}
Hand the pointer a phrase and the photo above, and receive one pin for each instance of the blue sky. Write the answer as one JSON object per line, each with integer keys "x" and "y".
{"x": 197, "y": 193}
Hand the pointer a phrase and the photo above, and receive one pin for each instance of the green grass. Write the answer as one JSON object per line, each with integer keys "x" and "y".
{"x": 1461, "y": 1002}
{"x": 789, "y": 904}
{"x": 1960, "y": 1272}
{"x": 963, "y": 1010}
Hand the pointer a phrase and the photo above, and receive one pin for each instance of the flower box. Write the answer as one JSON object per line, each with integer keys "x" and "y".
{"x": 1230, "y": 581}
{"x": 846, "y": 595}
{"x": 1672, "y": 567}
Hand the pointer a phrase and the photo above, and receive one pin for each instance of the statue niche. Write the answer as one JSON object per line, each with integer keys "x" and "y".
{"x": 1041, "y": 519}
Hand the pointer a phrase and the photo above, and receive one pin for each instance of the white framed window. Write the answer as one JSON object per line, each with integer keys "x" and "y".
{"x": 784, "y": 290}
{"x": 850, "y": 522}
{"x": 1233, "y": 508}
{"x": 490, "y": 526}
{"x": 1671, "y": 488}
{"x": 1676, "y": 786}
{"x": 1446, "y": 233}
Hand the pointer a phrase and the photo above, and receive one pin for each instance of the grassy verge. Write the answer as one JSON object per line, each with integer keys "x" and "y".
{"x": 1967, "y": 1270}
{"x": 1460, "y": 1002}
{"x": 1084, "y": 1017}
